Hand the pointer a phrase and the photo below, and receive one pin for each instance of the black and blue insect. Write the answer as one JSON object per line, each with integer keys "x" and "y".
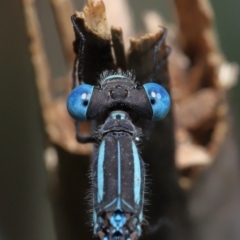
{"x": 118, "y": 172}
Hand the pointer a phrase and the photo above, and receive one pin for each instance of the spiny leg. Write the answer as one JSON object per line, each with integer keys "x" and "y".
{"x": 82, "y": 139}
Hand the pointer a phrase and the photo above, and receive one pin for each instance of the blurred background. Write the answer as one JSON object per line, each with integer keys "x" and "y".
{"x": 25, "y": 209}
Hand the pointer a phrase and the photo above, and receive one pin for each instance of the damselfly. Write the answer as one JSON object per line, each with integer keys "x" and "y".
{"x": 118, "y": 172}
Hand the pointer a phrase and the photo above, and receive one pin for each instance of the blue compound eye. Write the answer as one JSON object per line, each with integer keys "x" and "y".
{"x": 159, "y": 99}
{"x": 78, "y": 102}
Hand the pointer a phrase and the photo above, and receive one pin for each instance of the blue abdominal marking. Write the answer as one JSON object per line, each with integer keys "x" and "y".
{"x": 100, "y": 171}
{"x": 118, "y": 220}
{"x": 137, "y": 174}
{"x": 119, "y": 176}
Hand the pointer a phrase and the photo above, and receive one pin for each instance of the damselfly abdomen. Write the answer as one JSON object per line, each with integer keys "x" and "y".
{"x": 118, "y": 174}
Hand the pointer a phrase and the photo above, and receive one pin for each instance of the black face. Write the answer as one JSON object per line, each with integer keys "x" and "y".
{"x": 119, "y": 94}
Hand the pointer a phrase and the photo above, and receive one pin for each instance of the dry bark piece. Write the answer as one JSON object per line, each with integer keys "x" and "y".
{"x": 191, "y": 155}
{"x": 120, "y": 9}
{"x": 97, "y": 48}
{"x": 62, "y": 11}
{"x": 140, "y": 58}
{"x": 59, "y": 132}
{"x": 94, "y": 16}
{"x": 118, "y": 46}
{"x": 198, "y": 41}
{"x": 205, "y": 121}
{"x": 198, "y": 76}
{"x": 198, "y": 109}
{"x": 220, "y": 130}
{"x": 194, "y": 39}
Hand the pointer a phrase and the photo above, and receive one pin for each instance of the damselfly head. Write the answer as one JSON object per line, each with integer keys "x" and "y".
{"x": 118, "y": 92}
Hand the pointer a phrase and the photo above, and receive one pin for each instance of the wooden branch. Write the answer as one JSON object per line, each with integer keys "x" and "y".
{"x": 118, "y": 46}
{"x": 62, "y": 10}
{"x": 39, "y": 58}
{"x": 62, "y": 131}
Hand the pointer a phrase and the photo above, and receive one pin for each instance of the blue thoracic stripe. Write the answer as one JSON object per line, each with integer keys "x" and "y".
{"x": 119, "y": 175}
{"x": 114, "y": 76}
{"x": 137, "y": 174}
{"x": 100, "y": 172}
